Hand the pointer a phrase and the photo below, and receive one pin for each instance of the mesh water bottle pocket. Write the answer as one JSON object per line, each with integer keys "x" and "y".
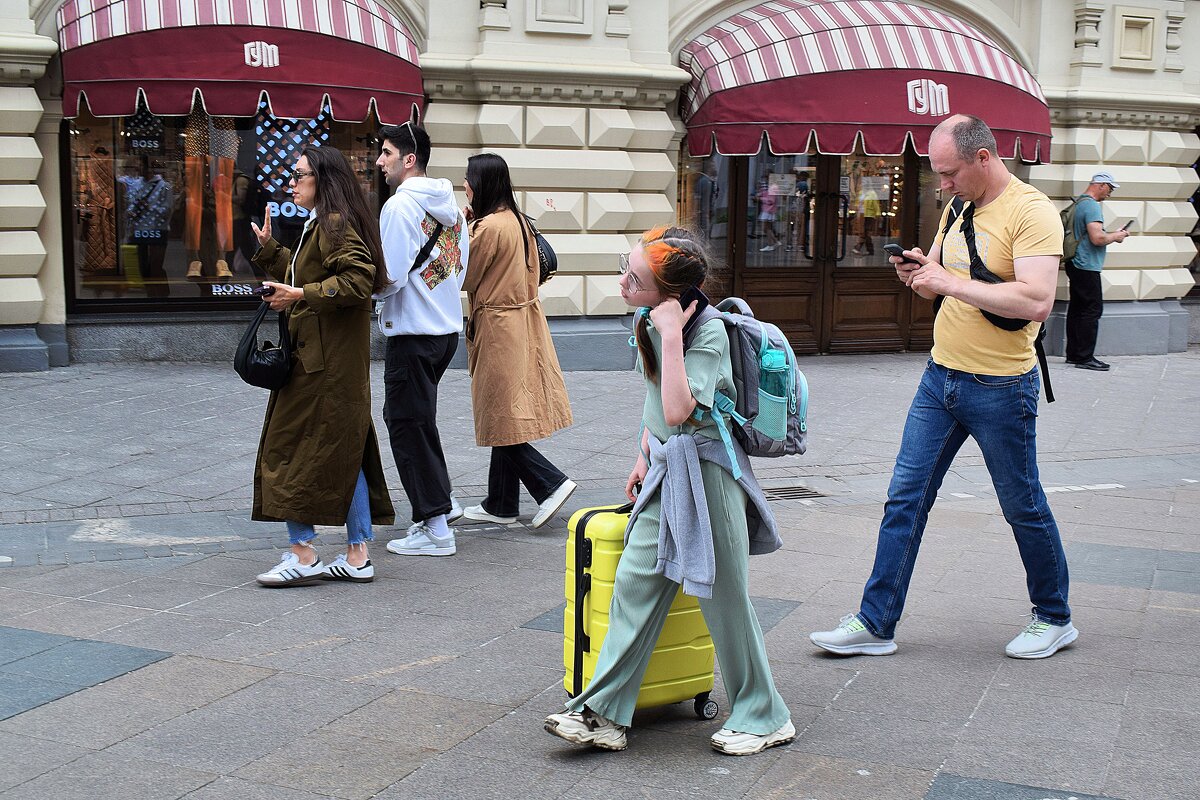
{"x": 772, "y": 416}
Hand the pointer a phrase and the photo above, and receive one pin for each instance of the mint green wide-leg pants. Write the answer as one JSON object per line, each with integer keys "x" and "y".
{"x": 642, "y": 598}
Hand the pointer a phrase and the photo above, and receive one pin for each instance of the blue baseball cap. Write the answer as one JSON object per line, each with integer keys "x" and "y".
{"x": 1105, "y": 177}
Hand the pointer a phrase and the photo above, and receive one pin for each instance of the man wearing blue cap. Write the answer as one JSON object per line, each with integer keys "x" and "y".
{"x": 1083, "y": 272}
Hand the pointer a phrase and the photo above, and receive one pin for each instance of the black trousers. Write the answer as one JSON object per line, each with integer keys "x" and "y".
{"x": 413, "y": 366}
{"x": 1083, "y": 313}
{"x": 513, "y": 465}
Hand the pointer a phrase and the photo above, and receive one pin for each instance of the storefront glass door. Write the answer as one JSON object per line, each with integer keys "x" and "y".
{"x": 802, "y": 238}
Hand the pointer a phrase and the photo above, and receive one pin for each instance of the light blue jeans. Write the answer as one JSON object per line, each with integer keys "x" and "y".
{"x": 358, "y": 520}
{"x": 1000, "y": 413}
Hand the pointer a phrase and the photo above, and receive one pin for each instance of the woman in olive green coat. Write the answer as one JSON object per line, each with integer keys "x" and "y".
{"x": 318, "y": 458}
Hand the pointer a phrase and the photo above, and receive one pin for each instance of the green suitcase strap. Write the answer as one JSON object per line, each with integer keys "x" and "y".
{"x": 583, "y": 585}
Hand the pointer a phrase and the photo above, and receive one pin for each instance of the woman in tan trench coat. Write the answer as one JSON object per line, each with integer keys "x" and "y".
{"x": 318, "y": 458}
{"x": 517, "y": 389}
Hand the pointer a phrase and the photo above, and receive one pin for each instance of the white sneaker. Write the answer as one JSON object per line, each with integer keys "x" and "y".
{"x": 766, "y": 248}
{"x": 851, "y": 638}
{"x": 1041, "y": 640}
{"x": 290, "y": 572}
{"x": 477, "y": 514}
{"x": 456, "y": 511}
{"x": 342, "y": 570}
{"x": 587, "y": 728}
{"x": 553, "y": 503}
{"x": 732, "y": 743}
{"x": 423, "y": 542}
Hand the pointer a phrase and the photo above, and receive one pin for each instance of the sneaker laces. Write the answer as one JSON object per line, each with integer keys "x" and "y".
{"x": 1036, "y": 627}
{"x": 851, "y": 624}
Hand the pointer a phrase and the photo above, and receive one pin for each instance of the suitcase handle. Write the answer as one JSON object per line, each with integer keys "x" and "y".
{"x": 583, "y": 585}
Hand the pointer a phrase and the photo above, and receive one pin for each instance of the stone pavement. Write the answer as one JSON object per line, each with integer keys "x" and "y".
{"x": 138, "y": 659}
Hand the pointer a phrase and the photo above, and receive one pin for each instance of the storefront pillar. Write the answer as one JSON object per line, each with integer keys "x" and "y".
{"x": 23, "y": 59}
{"x": 1145, "y": 276}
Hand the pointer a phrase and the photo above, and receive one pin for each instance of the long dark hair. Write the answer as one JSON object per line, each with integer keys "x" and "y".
{"x": 678, "y": 260}
{"x": 340, "y": 201}
{"x": 491, "y": 186}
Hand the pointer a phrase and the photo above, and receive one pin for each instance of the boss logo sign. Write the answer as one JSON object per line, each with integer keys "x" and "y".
{"x": 261, "y": 54}
{"x": 927, "y": 97}
{"x": 286, "y": 209}
{"x": 232, "y": 290}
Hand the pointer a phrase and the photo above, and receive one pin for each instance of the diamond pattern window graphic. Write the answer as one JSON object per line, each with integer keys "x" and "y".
{"x": 280, "y": 140}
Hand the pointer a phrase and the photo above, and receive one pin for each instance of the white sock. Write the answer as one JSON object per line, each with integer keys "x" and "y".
{"x": 438, "y": 526}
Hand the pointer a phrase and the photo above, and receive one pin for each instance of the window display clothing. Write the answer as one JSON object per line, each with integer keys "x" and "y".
{"x": 209, "y": 152}
{"x": 97, "y": 205}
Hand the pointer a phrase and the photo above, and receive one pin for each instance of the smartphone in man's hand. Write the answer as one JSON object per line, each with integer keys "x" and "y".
{"x": 263, "y": 291}
{"x": 1128, "y": 225}
{"x": 898, "y": 251}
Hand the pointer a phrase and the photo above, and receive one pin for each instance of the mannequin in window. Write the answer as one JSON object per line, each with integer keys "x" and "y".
{"x": 210, "y": 146}
{"x": 148, "y": 218}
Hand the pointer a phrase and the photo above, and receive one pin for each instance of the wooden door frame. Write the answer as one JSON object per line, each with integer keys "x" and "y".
{"x": 826, "y": 241}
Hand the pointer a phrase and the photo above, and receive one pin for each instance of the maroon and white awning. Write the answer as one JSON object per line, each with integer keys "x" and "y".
{"x": 302, "y": 54}
{"x": 829, "y": 72}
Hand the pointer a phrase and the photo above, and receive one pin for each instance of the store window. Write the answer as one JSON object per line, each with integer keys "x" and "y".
{"x": 161, "y": 207}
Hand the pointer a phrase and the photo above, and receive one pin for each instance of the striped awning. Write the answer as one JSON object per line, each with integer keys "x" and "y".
{"x": 302, "y": 54}
{"x": 834, "y": 74}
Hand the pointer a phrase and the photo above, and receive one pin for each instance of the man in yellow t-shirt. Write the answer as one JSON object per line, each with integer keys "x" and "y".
{"x": 981, "y": 381}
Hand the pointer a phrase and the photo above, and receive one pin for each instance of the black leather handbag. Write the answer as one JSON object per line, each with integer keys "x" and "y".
{"x": 264, "y": 365}
{"x": 547, "y": 258}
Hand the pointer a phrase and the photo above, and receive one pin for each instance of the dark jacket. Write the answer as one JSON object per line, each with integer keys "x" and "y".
{"x": 318, "y": 431}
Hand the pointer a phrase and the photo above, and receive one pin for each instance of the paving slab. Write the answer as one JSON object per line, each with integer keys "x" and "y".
{"x": 124, "y": 516}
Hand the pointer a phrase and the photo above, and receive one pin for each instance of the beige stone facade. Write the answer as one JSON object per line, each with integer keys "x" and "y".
{"x": 581, "y": 98}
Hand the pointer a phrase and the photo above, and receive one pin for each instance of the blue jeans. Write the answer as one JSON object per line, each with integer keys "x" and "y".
{"x": 1000, "y": 413}
{"x": 358, "y": 520}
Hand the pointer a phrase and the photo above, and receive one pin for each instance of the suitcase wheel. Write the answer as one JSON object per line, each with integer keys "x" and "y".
{"x": 705, "y": 708}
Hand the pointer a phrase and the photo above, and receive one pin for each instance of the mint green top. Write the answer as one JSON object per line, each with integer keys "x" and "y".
{"x": 708, "y": 369}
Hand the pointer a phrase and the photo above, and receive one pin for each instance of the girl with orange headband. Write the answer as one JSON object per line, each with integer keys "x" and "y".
{"x": 692, "y": 523}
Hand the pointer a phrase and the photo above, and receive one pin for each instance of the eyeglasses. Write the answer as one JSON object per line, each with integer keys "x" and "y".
{"x": 634, "y": 283}
{"x": 300, "y": 174}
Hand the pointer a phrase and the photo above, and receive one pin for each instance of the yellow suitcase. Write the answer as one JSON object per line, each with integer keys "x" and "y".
{"x": 681, "y": 667}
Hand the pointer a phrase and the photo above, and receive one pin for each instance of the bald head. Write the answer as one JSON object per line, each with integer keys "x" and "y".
{"x": 969, "y": 134}
{"x": 962, "y": 151}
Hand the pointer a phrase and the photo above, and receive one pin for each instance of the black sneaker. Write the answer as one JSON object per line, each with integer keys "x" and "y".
{"x": 1092, "y": 364}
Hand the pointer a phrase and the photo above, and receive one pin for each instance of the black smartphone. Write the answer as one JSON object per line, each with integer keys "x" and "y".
{"x": 685, "y": 300}
{"x": 898, "y": 251}
{"x": 1127, "y": 225}
{"x": 263, "y": 291}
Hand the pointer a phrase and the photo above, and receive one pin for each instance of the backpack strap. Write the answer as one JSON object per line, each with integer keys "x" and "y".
{"x": 722, "y": 403}
{"x": 423, "y": 256}
{"x": 956, "y": 207}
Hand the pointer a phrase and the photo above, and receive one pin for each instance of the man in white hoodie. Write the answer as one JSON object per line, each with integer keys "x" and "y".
{"x": 421, "y": 316}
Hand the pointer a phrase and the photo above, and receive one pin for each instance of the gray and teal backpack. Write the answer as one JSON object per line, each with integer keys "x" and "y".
{"x": 771, "y": 410}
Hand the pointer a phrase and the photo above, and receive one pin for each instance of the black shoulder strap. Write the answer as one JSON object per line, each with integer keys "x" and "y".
{"x": 956, "y": 207}
{"x": 428, "y": 248}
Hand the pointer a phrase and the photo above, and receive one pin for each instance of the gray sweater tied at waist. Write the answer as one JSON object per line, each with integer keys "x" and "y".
{"x": 685, "y": 540}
